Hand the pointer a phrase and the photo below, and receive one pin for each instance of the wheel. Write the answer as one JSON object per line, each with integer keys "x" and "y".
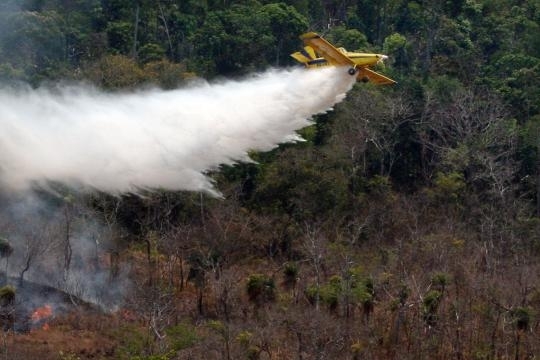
{"x": 352, "y": 71}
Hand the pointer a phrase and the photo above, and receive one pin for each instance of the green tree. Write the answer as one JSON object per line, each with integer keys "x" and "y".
{"x": 120, "y": 35}
{"x": 246, "y": 37}
{"x": 430, "y": 307}
{"x": 114, "y": 72}
{"x": 284, "y": 25}
{"x": 225, "y": 43}
{"x": 396, "y": 46}
{"x": 260, "y": 288}
{"x": 34, "y": 43}
{"x": 350, "y": 39}
{"x": 296, "y": 185}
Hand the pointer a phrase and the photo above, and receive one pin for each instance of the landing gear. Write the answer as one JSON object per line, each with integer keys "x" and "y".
{"x": 352, "y": 71}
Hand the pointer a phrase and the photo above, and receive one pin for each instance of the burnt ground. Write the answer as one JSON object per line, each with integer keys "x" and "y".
{"x": 36, "y": 304}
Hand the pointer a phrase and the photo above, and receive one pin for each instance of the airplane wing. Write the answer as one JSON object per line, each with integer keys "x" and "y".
{"x": 373, "y": 77}
{"x": 326, "y": 50}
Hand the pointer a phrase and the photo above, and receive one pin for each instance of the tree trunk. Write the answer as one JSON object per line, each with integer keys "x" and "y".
{"x": 538, "y": 175}
{"x": 162, "y": 16}
{"x": 68, "y": 251}
{"x": 26, "y": 267}
{"x": 135, "y": 31}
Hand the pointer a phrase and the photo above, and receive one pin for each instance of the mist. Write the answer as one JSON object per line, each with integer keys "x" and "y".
{"x": 155, "y": 139}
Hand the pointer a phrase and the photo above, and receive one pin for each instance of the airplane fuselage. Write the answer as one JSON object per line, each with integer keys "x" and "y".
{"x": 359, "y": 59}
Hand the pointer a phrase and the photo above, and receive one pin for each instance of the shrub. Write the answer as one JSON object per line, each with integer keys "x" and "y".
{"x": 5, "y": 248}
{"x": 403, "y": 294}
{"x": 328, "y": 293}
{"x": 261, "y": 288}
{"x": 521, "y": 317}
{"x": 440, "y": 281}
{"x": 367, "y": 296}
{"x": 181, "y": 336}
{"x": 290, "y": 272}
{"x": 431, "y": 304}
{"x": 7, "y": 295}
{"x": 244, "y": 338}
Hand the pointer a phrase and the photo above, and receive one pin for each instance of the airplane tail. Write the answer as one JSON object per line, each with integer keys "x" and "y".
{"x": 305, "y": 55}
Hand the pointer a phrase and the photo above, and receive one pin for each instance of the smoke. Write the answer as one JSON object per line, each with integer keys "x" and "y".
{"x": 150, "y": 139}
{"x": 59, "y": 244}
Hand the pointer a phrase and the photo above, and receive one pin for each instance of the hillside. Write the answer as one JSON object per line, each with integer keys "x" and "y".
{"x": 405, "y": 226}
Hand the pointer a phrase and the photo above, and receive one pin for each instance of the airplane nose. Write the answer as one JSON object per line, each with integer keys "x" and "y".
{"x": 381, "y": 58}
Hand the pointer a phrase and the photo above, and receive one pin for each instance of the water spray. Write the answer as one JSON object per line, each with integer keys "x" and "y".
{"x": 150, "y": 139}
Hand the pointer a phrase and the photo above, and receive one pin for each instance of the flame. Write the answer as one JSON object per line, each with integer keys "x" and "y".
{"x": 41, "y": 313}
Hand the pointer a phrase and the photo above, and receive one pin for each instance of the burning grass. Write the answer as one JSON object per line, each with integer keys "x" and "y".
{"x": 61, "y": 336}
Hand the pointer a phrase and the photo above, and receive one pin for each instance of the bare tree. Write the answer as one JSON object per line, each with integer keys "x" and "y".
{"x": 314, "y": 246}
{"x": 37, "y": 242}
{"x": 68, "y": 216}
{"x": 369, "y": 125}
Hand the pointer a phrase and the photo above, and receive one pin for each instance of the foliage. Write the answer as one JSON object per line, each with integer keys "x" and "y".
{"x": 246, "y": 37}
{"x": 356, "y": 289}
{"x": 260, "y": 288}
{"x": 244, "y": 338}
{"x": 114, "y": 72}
{"x": 134, "y": 341}
{"x": 290, "y": 272}
{"x": 299, "y": 189}
{"x": 440, "y": 281}
{"x": 166, "y": 74}
{"x": 7, "y": 295}
{"x": 431, "y": 304}
{"x": 350, "y": 39}
{"x": 448, "y": 187}
{"x": 181, "y": 336}
{"x": 6, "y": 249}
{"x": 521, "y": 317}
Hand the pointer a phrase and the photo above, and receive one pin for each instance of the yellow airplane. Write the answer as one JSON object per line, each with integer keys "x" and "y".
{"x": 319, "y": 52}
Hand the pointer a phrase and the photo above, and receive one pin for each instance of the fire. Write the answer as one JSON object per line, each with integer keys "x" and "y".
{"x": 42, "y": 314}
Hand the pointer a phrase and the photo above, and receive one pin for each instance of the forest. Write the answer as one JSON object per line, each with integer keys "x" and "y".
{"x": 405, "y": 226}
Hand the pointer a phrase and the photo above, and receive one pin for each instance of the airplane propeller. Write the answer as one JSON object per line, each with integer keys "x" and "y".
{"x": 381, "y": 59}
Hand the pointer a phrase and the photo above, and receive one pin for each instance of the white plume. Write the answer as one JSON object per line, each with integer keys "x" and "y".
{"x": 154, "y": 138}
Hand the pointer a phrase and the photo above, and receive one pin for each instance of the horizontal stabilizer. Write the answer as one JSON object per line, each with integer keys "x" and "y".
{"x": 305, "y": 55}
{"x": 298, "y": 56}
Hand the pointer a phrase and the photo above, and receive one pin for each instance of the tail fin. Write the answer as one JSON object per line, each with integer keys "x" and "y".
{"x": 305, "y": 55}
